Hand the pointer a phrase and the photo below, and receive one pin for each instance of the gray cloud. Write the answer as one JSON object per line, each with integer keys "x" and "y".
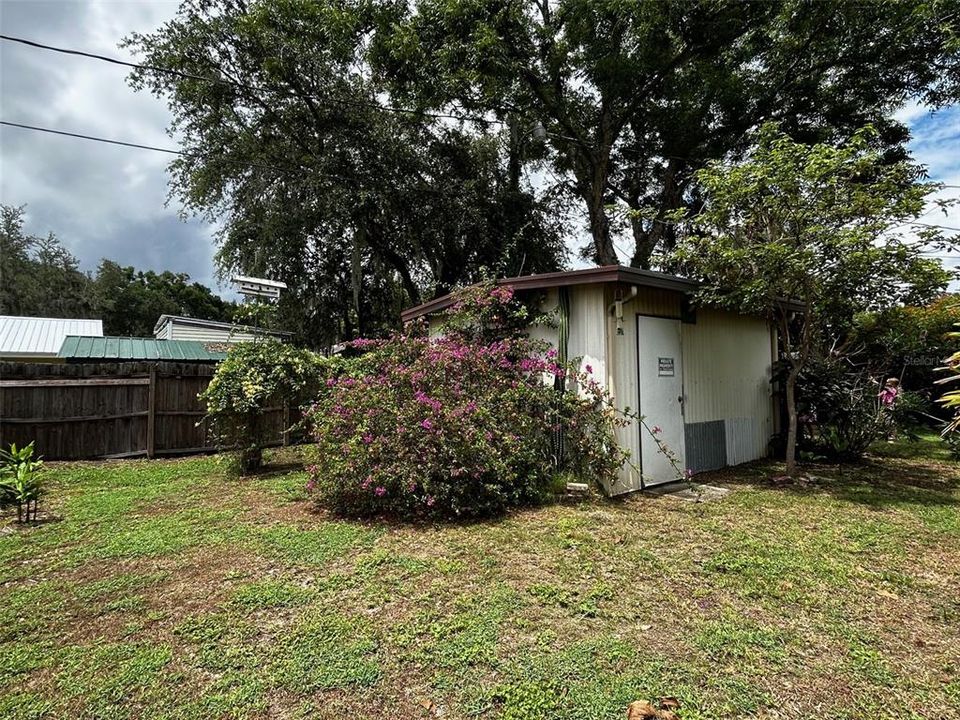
{"x": 102, "y": 201}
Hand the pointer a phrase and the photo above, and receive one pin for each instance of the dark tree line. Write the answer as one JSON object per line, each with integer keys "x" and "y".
{"x": 39, "y": 277}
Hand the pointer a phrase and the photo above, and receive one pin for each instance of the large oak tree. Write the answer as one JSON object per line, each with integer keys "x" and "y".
{"x": 294, "y": 150}
{"x": 636, "y": 96}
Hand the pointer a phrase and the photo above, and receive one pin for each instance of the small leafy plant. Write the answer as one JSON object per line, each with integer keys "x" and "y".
{"x": 951, "y": 399}
{"x": 20, "y": 481}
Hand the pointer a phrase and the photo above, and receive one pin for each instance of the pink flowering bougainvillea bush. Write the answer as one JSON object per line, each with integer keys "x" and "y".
{"x": 459, "y": 426}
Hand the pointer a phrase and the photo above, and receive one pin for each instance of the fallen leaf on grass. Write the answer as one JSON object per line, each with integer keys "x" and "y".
{"x": 645, "y": 710}
{"x": 642, "y": 710}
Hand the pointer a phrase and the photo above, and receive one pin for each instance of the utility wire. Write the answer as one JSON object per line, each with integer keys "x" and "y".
{"x": 931, "y": 225}
{"x": 91, "y": 137}
{"x": 245, "y": 86}
{"x": 154, "y": 148}
{"x": 183, "y": 153}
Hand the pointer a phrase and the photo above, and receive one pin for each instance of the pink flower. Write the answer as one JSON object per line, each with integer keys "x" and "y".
{"x": 380, "y": 491}
{"x": 589, "y": 369}
{"x": 311, "y": 484}
{"x": 367, "y": 438}
{"x": 656, "y": 430}
{"x": 426, "y": 424}
{"x": 430, "y": 500}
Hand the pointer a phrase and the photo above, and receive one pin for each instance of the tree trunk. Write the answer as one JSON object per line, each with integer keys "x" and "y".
{"x": 662, "y": 232}
{"x": 251, "y": 460}
{"x": 644, "y": 243}
{"x": 251, "y": 455}
{"x": 514, "y": 162}
{"x": 591, "y": 169}
{"x": 603, "y": 251}
{"x": 791, "y": 453}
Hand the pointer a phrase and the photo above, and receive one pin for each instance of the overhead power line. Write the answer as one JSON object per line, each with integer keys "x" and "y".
{"x": 154, "y": 148}
{"x": 92, "y": 137}
{"x": 246, "y": 86}
{"x": 184, "y": 153}
{"x": 931, "y": 225}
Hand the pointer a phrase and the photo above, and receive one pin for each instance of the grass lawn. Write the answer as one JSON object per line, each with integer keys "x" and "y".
{"x": 164, "y": 589}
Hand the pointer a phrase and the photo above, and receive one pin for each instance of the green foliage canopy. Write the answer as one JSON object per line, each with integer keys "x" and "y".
{"x": 359, "y": 210}
{"x": 810, "y": 235}
{"x": 637, "y": 96}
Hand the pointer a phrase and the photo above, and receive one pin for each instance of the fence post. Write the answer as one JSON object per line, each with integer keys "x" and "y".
{"x": 152, "y": 415}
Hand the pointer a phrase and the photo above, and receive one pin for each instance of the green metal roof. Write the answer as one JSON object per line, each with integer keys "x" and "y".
{"x": 135, "y": 348}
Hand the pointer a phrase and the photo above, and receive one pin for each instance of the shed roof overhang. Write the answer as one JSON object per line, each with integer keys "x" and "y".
{"x": 602, "y": 274}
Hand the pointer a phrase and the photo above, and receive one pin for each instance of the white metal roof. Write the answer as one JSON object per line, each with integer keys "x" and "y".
{"x": 33, "y": 336}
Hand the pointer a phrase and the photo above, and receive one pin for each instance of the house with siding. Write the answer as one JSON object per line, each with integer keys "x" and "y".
{"x": 178, "y": 327}
{"x": 702, "y": 375}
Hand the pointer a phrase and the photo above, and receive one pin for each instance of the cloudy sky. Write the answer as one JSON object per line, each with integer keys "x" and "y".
{"x": 105, "y": 201}
{"x": 102, "y": 201}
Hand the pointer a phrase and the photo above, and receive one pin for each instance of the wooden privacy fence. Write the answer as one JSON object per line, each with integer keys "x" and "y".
{"x": 113, "y": 410}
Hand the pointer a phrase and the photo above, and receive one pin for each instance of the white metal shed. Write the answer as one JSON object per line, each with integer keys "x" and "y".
{"x": 702, "y": 376}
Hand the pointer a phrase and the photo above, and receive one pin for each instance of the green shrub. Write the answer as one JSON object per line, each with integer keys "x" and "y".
{"x": 839, "y": 412}
{"x": 254, "y": 376}
{"x": 457, "y": 426}
{"x": 909, "y": 343}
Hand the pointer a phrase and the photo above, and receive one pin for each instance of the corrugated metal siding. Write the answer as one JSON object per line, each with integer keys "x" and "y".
{"x": 706, "y": 445}
{"x": 588, "y": 329}
{"x": 622, "y": 350}
{"x": 659, "y": 303}
{"x": 741, "y": 440}
{"x": 727, "y": 377}
{"x": 179, "y": 331}
{"x": 25, "y": 336}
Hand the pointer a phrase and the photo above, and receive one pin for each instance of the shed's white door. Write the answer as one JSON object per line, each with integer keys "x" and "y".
{"x": 661, "y": 396}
